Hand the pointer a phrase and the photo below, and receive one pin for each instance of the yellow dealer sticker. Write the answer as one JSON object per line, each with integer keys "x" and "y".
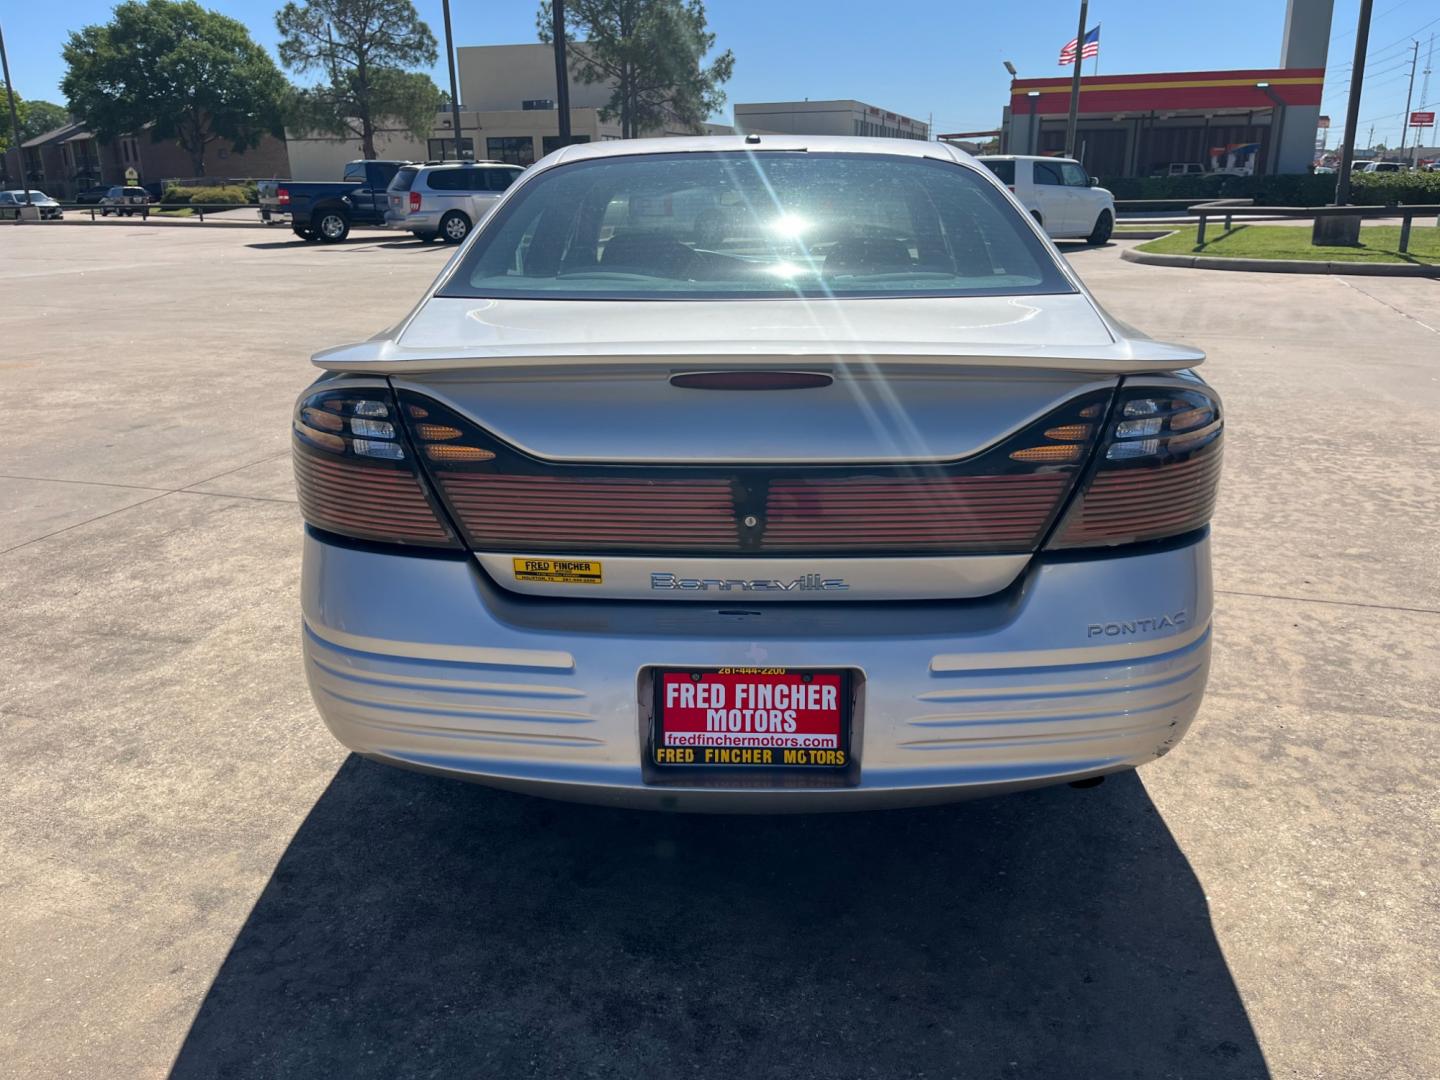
{"x": 558, "y": 571}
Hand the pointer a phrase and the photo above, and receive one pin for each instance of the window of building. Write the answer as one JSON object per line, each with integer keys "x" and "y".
{"x": 511, "y": 149}
{"x": 533, "y": 104}
{"x": 551, "y": 143}
{"x": 444, "y": 149}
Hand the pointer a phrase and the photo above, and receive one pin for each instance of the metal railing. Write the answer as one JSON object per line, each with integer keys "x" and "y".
{"x": 1230, "y": 209}
{"x": 146, "y": 209}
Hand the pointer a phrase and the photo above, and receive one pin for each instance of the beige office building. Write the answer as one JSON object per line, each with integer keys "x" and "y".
{"x": 841, "y": 117}
{"x": 507, "y": 114}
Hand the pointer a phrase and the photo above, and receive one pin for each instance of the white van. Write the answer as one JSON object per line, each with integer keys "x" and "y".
{"x": 1067, "y": 203}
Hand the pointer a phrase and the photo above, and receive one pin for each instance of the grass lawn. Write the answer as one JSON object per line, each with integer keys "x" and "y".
{"x": 1378, "y": 243}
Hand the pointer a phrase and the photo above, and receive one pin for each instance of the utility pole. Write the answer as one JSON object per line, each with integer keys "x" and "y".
{"x": 1405, "y": 124}
{"x": 454, "y": 86}
{"x": 1074, "y": 120}
{"x": 562, "y": 71}
{"x": 14, "y": 118}
{"x": 1352, "y": 108}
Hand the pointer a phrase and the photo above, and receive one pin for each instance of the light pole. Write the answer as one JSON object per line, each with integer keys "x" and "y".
{"x": 562, "y": 73}
{"x": 1352, "y": 108}
{"x": 1405, "y": 123}
{"x": 1007, "y": 130}
{"x": 14, "y": 119}
{"x": 1074, "y": 121}
{"x": 454, "y": 87}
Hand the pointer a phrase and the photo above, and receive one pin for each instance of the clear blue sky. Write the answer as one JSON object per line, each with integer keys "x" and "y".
{"x": 919, "y": 57}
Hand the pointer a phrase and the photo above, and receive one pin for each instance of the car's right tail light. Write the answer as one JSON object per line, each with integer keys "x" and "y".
{"x": 1156, "y": 473}
{"x": 414, "y": 202}
{"x": 282, "y": 196}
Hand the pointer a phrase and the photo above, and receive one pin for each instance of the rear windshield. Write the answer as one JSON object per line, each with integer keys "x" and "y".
{"x": 756, "y": 225}
{"x": 404, "y": 179}
{"x": 1005, "y": 170}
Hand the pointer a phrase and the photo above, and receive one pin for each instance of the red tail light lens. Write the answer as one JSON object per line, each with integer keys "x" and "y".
{"x": 283, "y": 195}
{"x": 414, "y": 202}
{"x": 1002, "y": 500}
{"x": 355, "y": 471}
{"x": 1156, "y": 474}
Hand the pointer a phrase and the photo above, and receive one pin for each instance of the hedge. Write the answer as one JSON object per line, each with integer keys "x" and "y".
{"x": 1288, "y": 189}
{"x": 229, "y": 194}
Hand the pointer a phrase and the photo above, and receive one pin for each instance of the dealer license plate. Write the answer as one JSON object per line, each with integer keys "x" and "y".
{"x": 751, "y": 718}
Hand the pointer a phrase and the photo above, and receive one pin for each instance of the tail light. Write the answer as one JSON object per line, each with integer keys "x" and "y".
{"x": 355, "y": 471}
{"x": 414, "y": 202}
{"x": 1156, "y": 474}
{"x": 282, "y": 195}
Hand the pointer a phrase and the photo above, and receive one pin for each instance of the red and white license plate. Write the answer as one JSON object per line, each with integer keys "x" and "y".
{"x": 751, "y": 718}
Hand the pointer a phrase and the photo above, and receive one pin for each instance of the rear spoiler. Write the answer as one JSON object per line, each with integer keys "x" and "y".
{"x": 1126, "y": 356}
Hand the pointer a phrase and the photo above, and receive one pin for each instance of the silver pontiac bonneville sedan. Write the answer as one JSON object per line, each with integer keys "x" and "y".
{"x": 757, "y": 474}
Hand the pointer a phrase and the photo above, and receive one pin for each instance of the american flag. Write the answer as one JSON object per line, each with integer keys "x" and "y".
{"x": 1092, "y": 48}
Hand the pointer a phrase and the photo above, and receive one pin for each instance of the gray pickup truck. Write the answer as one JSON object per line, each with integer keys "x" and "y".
{"x": 324, "y": 210}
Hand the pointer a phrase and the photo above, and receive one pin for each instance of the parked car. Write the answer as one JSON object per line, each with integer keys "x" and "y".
{"x": 446, "y": 200}
{"x": 1057, "y": 192}
{"x": 93, "y": 195}
{"x": 12, "y": 203}
{"x": 1382, "y": 166}
{"x": 1182, "y": 168}
{"x": 325, "y": 210}
{"x": 124, "y": 201}
{"x": 872, "y": 505}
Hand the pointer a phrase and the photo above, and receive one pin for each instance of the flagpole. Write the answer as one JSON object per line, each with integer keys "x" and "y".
{"x": 1074, "y": 119}
{"x": 1096, "y": 69}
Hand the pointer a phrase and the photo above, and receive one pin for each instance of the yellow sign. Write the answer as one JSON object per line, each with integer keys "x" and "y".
{"x": 131, "y": 176}
{"x": 558, "y": 571}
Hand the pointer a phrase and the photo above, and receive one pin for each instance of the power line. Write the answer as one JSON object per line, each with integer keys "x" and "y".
{"x": 1387, "y": 11}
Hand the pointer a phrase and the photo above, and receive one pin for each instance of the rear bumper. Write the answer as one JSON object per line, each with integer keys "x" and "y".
{"x": 417, "y": 221}
{"x": 1084, "y": 667}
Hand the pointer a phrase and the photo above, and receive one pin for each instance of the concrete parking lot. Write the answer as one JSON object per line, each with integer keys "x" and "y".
{"x": 196, "y": 881}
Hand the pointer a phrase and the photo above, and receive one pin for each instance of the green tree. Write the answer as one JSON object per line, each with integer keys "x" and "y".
{"x": 362, "y": 48}
{"x": 6, "y": 142}
{"x": 193, "y": 75}
{"x": 650, "y": 52}
{"x": 38, "y": 117}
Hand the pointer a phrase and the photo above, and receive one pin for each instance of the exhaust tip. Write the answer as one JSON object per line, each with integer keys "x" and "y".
{"x": 1088, "y": 782}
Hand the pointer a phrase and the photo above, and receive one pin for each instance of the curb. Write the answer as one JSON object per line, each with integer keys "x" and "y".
{"x": 1280, "y": 266}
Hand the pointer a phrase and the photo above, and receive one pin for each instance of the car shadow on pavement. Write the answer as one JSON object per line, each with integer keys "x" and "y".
{"x": 422, "y": 927}
{"x": 351, "y": 241}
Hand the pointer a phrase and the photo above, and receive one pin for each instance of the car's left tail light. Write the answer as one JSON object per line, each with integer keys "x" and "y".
{"x": 356, "y": 473}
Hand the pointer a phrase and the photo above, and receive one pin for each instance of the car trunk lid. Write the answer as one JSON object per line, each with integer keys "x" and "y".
{"x": 926, "y": 452}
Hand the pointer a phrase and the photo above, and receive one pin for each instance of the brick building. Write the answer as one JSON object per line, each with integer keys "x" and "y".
{"x": 70, "y": 158}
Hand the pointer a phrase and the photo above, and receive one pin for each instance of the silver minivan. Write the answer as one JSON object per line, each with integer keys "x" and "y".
{"x": 446, "y": 201}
